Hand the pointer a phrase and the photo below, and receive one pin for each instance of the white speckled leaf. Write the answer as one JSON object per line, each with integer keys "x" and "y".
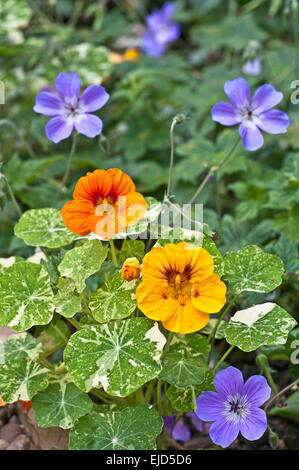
{"x": 60, "y": 405}
{"x": 20, "y": 346}
{"x": 183, "y": 400}
{"x": 20, "y": 380}
{"x": 130, "y": 249}
{"x": 67, "y": 300}
{"x": 264, "y": 324}
{"x": 134, "y": 428}
{"x": 120, "y": 356}
{"x": 44, "y": 227}
{"x": 211, "y": 247}
{"x": 184, "y": 363}
{"x": 26, "y": 297}
{"x": 251, "y": 269}
{"x": 83, "y": 261}
{"x": 114, "y": 301}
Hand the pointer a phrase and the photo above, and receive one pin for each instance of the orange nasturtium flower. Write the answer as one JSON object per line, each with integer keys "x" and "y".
{"x": 105, "y": 203}
{"x": 26, "y": 405}
{"x": 130, "y": 55}
{"x": 2, "y": 403}
{"x": 130, "y": 269}
{"x": 179, "y": 287}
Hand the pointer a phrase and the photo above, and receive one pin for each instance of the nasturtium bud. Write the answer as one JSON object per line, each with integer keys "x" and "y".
{"x": 130, "y": 269}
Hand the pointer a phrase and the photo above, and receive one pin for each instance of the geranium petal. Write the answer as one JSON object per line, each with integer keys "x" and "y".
{"x": 257, "y": 390}
{"x": 151, "y": 46}
{"x": 209, "y": 406}
{"x": 93, "y": 98}
{"x": 48, "y": 104}
{"x": 58, "y": 129}
{"x": 265, "y": 98}
{"x": 273, "y": 121}
{"x": 168, "y": 10}
{"x": 228, "y": 382}
{"x": 168, "y": 423}
{"x": 223, "y": 432}
{"x": 88, "y": 124}
{"x": 181, "y": 432}
{"x": 238, "y": 92}
{"x": 254, "y": 424}
{"x": 209, "y": 296}
{"x": 251, "y": 136}
{"x": 68, "y": 86}
{"x": 225, "y": 114}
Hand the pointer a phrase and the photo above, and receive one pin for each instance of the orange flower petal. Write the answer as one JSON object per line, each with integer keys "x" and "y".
{"x": 93, "y": 186}
{"x": 154, "y": 301}
{"x": 186, "y": 319}
{"x": 130, "y": 208}
{"x": 122, "y": 184}
{"x": 2, "y": 402}
{"x": 210, "y": 295}
{"x": 78, "y": 216}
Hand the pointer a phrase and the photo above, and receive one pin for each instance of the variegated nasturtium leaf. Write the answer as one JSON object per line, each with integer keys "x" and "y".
{"x": 183, "y": 400}
{"x": 120, "y": 356}
{"x": 44, "y": 227}
{"x": 264, "y": 324}
{"x": 130, "y": 249}
{"x": 251, "y": 269}
{"x": 184, "y": 363}
{"x": 26, "y": 297}
{"x": 114, "y": 301}
{"x": 20, "y": 346}
{"x": 134, "y": 428}
{"x": 7, "y": 262}
{"x": 67, "y": 301}
{"x": 83, "y": 261}
{"x": 209, "y": 245}
{"x": 61, "y": 404}
{"x": 20, "y": 380}
{"x": 211, "y": 325}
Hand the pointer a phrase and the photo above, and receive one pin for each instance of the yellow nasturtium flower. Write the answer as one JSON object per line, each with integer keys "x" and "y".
{"x": 130, "y": 269}
{"x": 179, "y": 287}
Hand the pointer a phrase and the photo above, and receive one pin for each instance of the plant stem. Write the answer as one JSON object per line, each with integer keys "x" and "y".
{"x": 296, "y": 382}
{"x": 67, "y": 169}
{"x": 158, "y": 393}
{"x": 176, "y": 120}
{"x": 174, "y": 443}
{"x": 214, "y": 331}
{"x": 12, "y": 196}
{"x": 113, "y": 252}
{"x": 75, "y": 323}
{"x": 213, "y": 169}
{"x": 223, "y": 357}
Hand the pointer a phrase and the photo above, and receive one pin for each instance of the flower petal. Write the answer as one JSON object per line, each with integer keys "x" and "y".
{"x": 186, "y": 319}
{"x": 168, "y": 10}
{"x": 209, "y": 406}
{"x": 59, "y": 129}
{"x": 88, "y": 124}
{"x": 77, "y": 216}
{"x": 154, "y": 302}
{"x": 168, "y": 423}
{"x": 254, "y": 424}
{"x": 93, "y": 98}
{"x": 229, "y": 381}
{"x": 265, "y": 98}
{"x": 48, "y": 104}
{"x": 68, "y": 86}
{"x": 257, "y": 390}
{"x": 273, "y": 121}
{"x": 251, "y": 136}
{"x": 225, "y": 114}
{"x": 181, "y": 432}
{"x": 151, "y": 46}
{"x": 223, "y": 432}
{"x": 238, "y": 91}
{"x": 122, "y": 183}
{"x": 209, "y": 296}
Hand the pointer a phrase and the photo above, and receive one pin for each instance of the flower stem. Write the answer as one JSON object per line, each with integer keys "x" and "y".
{"x": 213, "y": 169}
{"x": 75, "y": 323}
{"x": 113, "y": 252}
{"x": 67, "y": 169}
{"x": 12, "y": 196}
{"x": 293, "y": 384}
{"x": 223, "y": 357}
{"x": 176, "y": 120}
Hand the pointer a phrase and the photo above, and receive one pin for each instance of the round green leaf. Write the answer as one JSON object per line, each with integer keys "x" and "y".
{"x": 121, "y": 356}
{"x": 60, "y": 405}
{"x": 184, "y": 363}
{"x": 20, "y": 346}
{"x": 44, "y": 227}
{"x": 264, "y": 324}
{"x": 83, "y": 261}
{"x": 251, "y": 269}
{"x": 26, "y": 297}
{"x": 67, "y": 301}
{"x": 114, "y": 301}
{"x": 20, "y": 380}
{"x": 134, "y": 428}
{"x": 130, "y": 249}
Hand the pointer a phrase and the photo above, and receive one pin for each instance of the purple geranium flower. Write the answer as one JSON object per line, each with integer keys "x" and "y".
{"x": 197, "y": 422}
{"x": 69, "y": 110}
{"x": 178, "y": 430}
{"x": 252, "y": 67}
{"x": 235, "y": 407}
{"x": 252, "y": 114}
{"x": 160, "y": 30}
